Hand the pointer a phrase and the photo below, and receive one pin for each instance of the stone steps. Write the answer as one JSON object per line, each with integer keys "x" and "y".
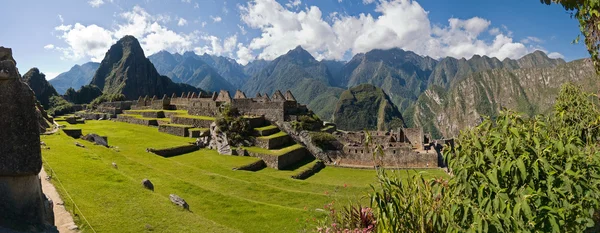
{"x": 280, "y": 158}
{"x": 274, "y": 141}
{"x": 266, "y": 130}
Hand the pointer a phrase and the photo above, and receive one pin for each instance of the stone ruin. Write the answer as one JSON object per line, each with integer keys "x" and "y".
{"x": 279, "y": 107}
{"x": 23, "y": 206}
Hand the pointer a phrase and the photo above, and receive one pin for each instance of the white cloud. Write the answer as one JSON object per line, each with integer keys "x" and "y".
{"x": 244, "y": 54}
{"x": 181, "y": 22}
{"x": 97, "y": 3}
{"x": 61, "y": 19}
{"x": 86, "y": 41}
{"x": 186, "y": 1}
{"x": 532, "y": 39}
{"x": 196, "y": 5}
{"x": 366, "y": 2}
{"x": 203, "y": 23}
{"x": 556, "y": 55}
{"x": 242, "y": 29}
{"x": 51, "y": 75}
{"x": 93, "y": 41}
{"x": 216, "y": 19}
{"x": 293, "y": 3}
{"x": 494, "y": 31}
{"x": 63, "y": 27}
{"x": 49, "y": 46}
{"x": 215, "y": 47}
{"x": 400, "y": 24}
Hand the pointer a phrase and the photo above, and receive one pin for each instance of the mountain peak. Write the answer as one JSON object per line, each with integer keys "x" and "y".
{"x": 299, "y": 53}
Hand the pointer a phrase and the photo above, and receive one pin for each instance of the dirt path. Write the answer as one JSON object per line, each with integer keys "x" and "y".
{"x": 62, "y": 218}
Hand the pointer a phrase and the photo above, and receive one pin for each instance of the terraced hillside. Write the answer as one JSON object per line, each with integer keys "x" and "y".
{"x": 220, "y": 199}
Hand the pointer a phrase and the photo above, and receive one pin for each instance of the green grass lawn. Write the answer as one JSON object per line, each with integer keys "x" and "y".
{"x": 220, "y": 199}
{"x": 278, "y": 152}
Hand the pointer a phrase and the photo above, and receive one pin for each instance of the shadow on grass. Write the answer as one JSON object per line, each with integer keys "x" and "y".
{"x": 308, "y": 159}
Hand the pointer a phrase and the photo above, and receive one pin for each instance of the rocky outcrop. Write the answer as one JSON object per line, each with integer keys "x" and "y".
{"x": 23, "y": 206}
{"x": 126, "y": 70}
{"x": 97, "y": 139}
{"x": 219, "y": 140}
{"x": 41, "y": 87}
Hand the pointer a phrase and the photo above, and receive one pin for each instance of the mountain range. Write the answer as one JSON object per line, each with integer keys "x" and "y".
{"x": 442, "y": 96}
{"x": 77, "y": 76}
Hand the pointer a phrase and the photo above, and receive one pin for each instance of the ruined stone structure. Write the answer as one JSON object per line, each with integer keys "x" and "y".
{"x": 23, "y": 206}
{"x": 278, "y": 108}
{"x": 402, "y": 148}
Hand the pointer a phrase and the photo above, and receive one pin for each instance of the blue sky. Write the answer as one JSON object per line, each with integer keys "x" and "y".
{"x": 55, "y": 35}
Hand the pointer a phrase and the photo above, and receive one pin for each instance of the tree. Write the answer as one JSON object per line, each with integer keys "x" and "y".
{"x": 588, "y": 14}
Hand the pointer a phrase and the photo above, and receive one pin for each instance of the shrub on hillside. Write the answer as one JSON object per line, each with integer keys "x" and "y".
{"x": 59, "y": 106}
{"x": 323, "y": 140}
{"x": 510, "y": 174}
{"x": 107, "y": 98}
{"x": 307, "y": 122}
{"x": 233, "y": 123}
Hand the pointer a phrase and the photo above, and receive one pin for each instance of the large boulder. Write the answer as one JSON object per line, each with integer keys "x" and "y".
{"x": 147, "y": 184}
{"x": 179, "y": 201}
{"x": 23, "y": 206}
{"x": 97, "y": 139}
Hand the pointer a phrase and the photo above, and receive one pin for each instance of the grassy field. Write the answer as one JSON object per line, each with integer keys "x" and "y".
{"x": 220, "y": 199}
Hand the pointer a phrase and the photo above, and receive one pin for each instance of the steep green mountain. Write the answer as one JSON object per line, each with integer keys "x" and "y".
{"x": 299, "y": 72}
{"x": 451, "y": 69}
{"x": 85, "y": 95}
{"x": 41, "y": 87}
{"x": 165, "y": 62}
{"x": 77, "y": 76}
{"x": 126, "y": 70}
{"x": 228, "y": 68}
{"x": 335, "y": 68}
{"x": 253, "y": 67}
{"x": 366, "y": 107}
{"x": 197, "y": 73}
{"x": 403, "y": 75}
{"x": 527, "y": 90}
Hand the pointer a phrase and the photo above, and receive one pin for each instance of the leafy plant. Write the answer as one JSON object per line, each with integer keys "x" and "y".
{"x": 323, "y": 140}
{"x": 307, "y": 122}
{"x": 107, "y": 98}
{"x": 59, "y": 106}
{"x": 231, "y": 122}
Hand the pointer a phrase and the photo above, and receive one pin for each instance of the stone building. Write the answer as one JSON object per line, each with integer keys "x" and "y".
{"x": 23, "y": 206}
{"x": 279, "y": 107}
{"x": 401, "y": 148}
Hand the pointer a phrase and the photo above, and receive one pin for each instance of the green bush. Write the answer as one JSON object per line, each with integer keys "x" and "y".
{"x": 323, "y": 140}
{"x": 231, "y": 122}
{"x": 510, "y": 174}
{"x": 307, "y": 122}
{"x": 59, "y": 106}
{"x": 107, "y": 98}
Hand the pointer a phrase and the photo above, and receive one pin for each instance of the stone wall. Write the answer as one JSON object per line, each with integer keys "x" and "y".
{"x": 197, "y": 123}
{"x": 255, "y": 166}
{"x": 273, "y": 111}
{"x": 306, "y": 140}
{"x": 203, "y": 107}
{"x": 74, "y": 133}
{"x": 310, "y": 171}
{"x": 153, "y": 114}
{"x": 266, "y": 132}
{"x": 174, "y": 151}
{"x": 415, "y": 136}
{"x": 273, "y": 143}
{"x": 256, "y": 122}
{"x": 137, "y": 121}
{"x": 93, "y": 115}
{"x": 282, "y": 161}
{"x": 177, "y": 130}
{"x": 404, "y": 157}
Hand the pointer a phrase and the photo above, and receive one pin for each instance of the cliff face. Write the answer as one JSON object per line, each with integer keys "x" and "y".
{"x": 527, "y": 90}
{"x": 366, "y": 107}
{"x": 126, "y": 70}
{"x": 41, "y": 87}
{"x": 23, "y": 205}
